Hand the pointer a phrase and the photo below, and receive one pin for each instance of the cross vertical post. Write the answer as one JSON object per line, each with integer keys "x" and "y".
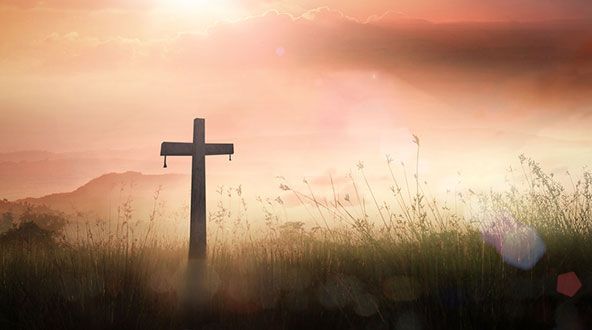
{"x": 198, "y": 149}
{"x": 197, "y": 225}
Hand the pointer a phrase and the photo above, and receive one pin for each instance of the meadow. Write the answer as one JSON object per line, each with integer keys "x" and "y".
{"x": 490, "y": 260}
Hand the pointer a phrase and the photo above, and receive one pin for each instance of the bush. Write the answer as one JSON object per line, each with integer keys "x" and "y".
{"x": 28, "y": 233}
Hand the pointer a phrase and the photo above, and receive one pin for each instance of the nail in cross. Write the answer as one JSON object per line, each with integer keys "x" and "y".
{"x": 197, "y": 150}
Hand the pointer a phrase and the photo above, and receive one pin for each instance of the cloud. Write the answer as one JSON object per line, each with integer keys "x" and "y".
{"x": 329, "y": 38}
{"x": 549, "y": 57}
{"x": 456, "y": 10}
{"x": 453, "y": 10}
{"x": 79, "y": 4}
{"x": 555, "y": 53}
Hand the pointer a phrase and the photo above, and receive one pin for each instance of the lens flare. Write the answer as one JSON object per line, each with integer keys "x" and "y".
{"x": 519, "y": 245}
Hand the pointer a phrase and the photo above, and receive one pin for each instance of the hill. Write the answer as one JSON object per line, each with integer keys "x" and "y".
{"x": 103, "y": 197}
{"x": 38, "y": 173}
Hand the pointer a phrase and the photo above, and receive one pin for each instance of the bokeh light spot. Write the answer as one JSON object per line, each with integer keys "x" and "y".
{"x": 365, "y": 305}
{"x": 568, "y": 284}
{"x": 519, "y": 245}
{"x": 408, "y": 321}
{"x": 280, "y": 51}
{"x": 332, "y": 295}
{"x": 522, "y": 248}
{"x": 340, "y": 291}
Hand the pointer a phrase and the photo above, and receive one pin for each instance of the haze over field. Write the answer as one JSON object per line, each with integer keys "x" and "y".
{"x": 407, "y": 164}
{"x": 303, "y": 88}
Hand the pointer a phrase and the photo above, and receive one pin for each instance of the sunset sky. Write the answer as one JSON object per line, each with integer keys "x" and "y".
{"x": 302, "y": 88}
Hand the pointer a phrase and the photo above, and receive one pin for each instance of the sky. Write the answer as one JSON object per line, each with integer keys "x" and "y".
{"x": 302, "y": 88}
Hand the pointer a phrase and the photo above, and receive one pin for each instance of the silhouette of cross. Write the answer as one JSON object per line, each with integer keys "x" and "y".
{"x": 197, "y": 149}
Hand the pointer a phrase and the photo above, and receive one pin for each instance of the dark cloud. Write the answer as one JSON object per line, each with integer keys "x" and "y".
{"x": 328, "y": 37}
{"x": 560, "y": 51}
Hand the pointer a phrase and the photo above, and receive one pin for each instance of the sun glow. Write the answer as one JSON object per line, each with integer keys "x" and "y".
{"x": 190, "y": 4}
{"x": 213, "y": 9}
{"x": 172, "y": 16}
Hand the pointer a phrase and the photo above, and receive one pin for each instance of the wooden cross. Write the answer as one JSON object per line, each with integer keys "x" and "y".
{"x": 197, "y": 150}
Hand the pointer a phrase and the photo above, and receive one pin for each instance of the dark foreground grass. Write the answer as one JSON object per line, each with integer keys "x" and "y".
{"x": 320, "y": 285}
{"x": 423, "y": 267}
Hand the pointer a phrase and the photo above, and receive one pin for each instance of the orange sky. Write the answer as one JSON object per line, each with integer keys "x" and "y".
{"x": 303, "y": 88}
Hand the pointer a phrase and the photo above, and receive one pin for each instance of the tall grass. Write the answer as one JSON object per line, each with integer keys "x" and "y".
{"x": 409, "y": 262}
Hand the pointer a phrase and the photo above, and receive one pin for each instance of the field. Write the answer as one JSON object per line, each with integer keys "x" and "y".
{"x": 491, "y": 261}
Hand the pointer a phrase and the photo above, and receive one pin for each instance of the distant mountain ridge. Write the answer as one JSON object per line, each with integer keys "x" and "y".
{"x": 36, "y": 173}
{"x": 101, "y": 197}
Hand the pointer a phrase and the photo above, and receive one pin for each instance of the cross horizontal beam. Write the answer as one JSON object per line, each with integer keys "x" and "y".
{"x": 219, "y": 148}
{"x": 176, "y": 149}
{"x": 186, "y": 149}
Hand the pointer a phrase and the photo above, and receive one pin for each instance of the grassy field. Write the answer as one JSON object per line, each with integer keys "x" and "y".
{"x": 490, "y": 262}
